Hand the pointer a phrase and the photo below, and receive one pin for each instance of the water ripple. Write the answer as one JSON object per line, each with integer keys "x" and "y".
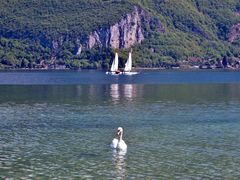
{"x": 166, "y": 139}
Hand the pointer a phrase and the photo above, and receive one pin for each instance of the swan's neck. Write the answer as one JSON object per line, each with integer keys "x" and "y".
{"x": 120, "y": 136}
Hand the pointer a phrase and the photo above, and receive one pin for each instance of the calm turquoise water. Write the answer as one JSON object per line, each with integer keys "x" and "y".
{"x": 178, "y": 125}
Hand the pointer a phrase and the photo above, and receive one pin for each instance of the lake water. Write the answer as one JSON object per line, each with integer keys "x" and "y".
{"x": 178, "y": 125}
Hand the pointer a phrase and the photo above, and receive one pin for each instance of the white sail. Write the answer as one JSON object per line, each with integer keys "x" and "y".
{"x": 128, "y": 65}
{"x": 114, "y": 66}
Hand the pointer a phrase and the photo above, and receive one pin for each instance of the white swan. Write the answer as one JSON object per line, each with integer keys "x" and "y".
{"x": 118, "y": 143}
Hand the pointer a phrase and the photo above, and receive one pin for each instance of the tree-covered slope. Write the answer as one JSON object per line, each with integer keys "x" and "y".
{"x": 194, "y": 29}
{"x": 24, "y": 18}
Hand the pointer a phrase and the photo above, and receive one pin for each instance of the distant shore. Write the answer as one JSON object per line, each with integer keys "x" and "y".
{"x": 183, "y": 69}
{"x": 134, "y": 69}
{"x": 190, "y": 64}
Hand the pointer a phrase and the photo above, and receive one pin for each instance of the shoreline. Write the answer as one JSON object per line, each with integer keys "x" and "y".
{"x": 134, "y": 69}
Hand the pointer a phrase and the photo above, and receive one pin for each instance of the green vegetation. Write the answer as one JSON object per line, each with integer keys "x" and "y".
{"x": 51, "y": 18}
{"x": 194, "y": 28}
{"x": 21, "y": 53}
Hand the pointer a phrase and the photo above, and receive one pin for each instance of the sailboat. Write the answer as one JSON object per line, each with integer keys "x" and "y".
{"x": 114, "y": 68}
{"x": 128, "y": 66}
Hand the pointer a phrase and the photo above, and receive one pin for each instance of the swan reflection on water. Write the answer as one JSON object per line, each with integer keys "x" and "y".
{"x": 119, "y": 162}
{"x": 119, "y": 148}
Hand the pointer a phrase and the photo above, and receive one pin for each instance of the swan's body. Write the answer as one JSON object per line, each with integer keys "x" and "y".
{"x": 122, "y": 145}
{"x": 114, "y": 143}
{"x": 118, "y": 143}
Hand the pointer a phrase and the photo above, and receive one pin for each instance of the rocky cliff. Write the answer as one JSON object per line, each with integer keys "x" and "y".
{"x": 130, "y": 30}
{"x": 235, "y": 30}
{"x": 234, "y": 33}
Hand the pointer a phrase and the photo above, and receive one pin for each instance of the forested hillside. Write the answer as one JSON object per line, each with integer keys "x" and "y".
{"x": 50, "y": 33}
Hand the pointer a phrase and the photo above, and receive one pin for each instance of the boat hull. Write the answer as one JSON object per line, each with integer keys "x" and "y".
{"x": 113, "y": 73}
{"x": 122, "y": 73}
{"x": 130, "y": 73}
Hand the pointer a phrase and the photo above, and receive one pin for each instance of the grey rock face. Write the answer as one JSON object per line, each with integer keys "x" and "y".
{"x": 126, "y": 33}
{"x": 132, "y": 29}
{"x": 234, "y": 33}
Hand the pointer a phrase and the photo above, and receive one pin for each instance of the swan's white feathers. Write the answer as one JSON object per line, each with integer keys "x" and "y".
{"x": 114, "y": 143}
{"x": 118, "y": 143}
{"x": 122, "y": 145}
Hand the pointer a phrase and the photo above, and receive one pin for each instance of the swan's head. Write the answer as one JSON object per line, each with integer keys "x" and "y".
{"x": 119, "y": 130}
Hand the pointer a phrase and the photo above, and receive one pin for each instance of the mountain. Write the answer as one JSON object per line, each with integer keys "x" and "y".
{"x": 78, "y": 33}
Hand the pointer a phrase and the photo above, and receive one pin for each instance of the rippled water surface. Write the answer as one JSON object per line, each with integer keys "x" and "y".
{"x": 185, "y": 130}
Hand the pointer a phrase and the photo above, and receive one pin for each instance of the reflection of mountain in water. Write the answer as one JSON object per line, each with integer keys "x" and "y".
{"x": 116, "y": 93}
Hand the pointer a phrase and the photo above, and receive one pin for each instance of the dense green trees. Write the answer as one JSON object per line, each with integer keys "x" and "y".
{"x": 194, "y": 28}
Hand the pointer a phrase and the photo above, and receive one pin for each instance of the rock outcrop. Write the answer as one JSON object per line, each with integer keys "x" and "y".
{"x": 130, "y": 30}
{"x": 234, "y": 33}
{"x": 238, "y": 13}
